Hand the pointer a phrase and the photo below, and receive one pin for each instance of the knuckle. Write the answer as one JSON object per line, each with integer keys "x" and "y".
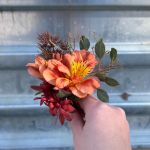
{"x": 104, "y": 106}
{"x": 122, "y": 112}
{"x": 99, "y": 108}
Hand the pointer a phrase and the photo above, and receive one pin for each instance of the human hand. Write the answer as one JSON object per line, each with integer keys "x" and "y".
{"x": 104, "y": 127}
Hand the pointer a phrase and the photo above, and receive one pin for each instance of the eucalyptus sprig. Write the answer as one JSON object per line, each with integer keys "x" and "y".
{"x": 102, "y": 70}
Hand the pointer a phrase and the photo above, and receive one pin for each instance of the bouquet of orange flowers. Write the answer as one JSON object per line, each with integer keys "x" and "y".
{"x": 68, "y": 75}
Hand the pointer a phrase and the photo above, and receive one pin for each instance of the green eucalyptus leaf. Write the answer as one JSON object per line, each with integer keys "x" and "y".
{"x": 84, "y": 43}
{"x": 37, "y": 93}
{"x": 100, "y": 49}
{"x": 102, "y": 95}
{"x": 62, "y": 94}
{"x": 113, "y": 55}
{"x": 101, "y": 76}
{"x": 111, "y": 81}
{"x": 74, "y": 98}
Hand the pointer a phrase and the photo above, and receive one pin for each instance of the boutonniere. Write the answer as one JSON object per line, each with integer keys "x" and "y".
{"x": 68, "y": 75}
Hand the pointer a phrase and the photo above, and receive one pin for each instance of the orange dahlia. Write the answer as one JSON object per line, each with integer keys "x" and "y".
{"x": 71, "y": 72}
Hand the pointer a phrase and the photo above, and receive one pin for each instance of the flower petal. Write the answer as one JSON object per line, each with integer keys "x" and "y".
{"x": 42, "y": 68}
{"x": 32, "y": 65}
{"x": 88, "y": 86}
{"x": 77, "y": 55}
{"x": 54, "y": 64}
{"x": 33, "y": 71}
{"x": 39, "y": 60}
{"x": 85, "y": 87}
{"x": 62, "y": 82}
{"x": 95, "y": 82}
{"x": 62, "y": 68}
{"x": 65, "y": 114}
{"x": 87, "y": 57}
{"x": 91, "y": 60}
{"x": 68, "y": 108}
{"x": 57, "y": 56}
{"x": 77, "y": 93}
{"x": 67, "y": 60}
{"x": 84, "y": 54}
{"x": 50, "y": 76}
{"x": 61, "y": 118}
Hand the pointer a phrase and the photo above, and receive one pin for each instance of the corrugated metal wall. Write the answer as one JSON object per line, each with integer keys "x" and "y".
{"x": 122, "y": 24}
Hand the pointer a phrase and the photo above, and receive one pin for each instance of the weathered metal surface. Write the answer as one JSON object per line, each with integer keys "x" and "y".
{"x": 77, "y": 2}
{"x": 18, "y": 56}
{"x": 40, "y": 131}
{"x": 132, "y": 80}
{"x": 23, "y": 27}
{"x": 122, "y": 24}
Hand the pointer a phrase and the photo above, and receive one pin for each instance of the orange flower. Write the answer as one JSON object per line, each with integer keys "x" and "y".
{"x": 71, "y": 72}
{"x": 36, "y": 69}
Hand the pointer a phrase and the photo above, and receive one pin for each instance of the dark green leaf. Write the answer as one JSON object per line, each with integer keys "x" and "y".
{"x": 100, "y": 48}
{"x": 113, "y": 55}
{"x": 84, "y": 43}
{"x": 102, "y": 95}
{"x": 111, "y": 81}
{"x": 37, "y": 93}
{"x": 74, "y": 98}
{"x": 62, "y": 94}
{"x": 101, "y": 76}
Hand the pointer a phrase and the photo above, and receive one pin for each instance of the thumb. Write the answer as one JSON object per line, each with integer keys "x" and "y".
{"x": 78, "y": 121}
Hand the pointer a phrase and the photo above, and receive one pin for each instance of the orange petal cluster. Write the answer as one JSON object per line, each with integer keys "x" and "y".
{"x": 70, "y": 72}
{"x": 37, "y": 68}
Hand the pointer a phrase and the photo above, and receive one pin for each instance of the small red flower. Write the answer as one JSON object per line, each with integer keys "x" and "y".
{"x": 61, "y": 107}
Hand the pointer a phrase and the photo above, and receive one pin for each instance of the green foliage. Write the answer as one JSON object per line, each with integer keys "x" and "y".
{"x": 100, "y": 49}
{"x": 109, "y": 81}
{"x": 37, "y": 93}
{"x": 84, "y": 43}
{"x": 62, "y": 94}
{"x": 102, "y": 95}
{"x": 113, "y": 55}
{"x": 101, "y": 76}
{"x": 74, "y": 98}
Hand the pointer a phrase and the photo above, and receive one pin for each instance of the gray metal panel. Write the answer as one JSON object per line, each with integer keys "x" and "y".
{"x": 135, "y": 81}
{"x": 122, "y": 24}
{"x": 18, "y": 56}
{"x": 22, "y": 28}
{"x": 40, "y": 131}
{"x": 74, "y": 2}
{"x": 71, "y": 7}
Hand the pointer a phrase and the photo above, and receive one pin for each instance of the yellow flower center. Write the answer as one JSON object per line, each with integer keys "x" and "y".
{"x": 79, "y": 70}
